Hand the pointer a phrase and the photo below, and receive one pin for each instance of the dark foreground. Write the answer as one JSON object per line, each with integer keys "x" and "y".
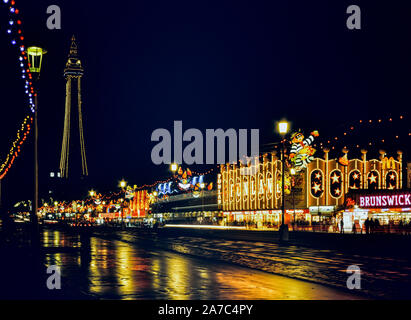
{"x": 199, "y": 264}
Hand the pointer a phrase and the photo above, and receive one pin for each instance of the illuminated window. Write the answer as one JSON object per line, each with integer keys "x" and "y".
{"x": 373, "y": 180}
{"x": 336, "y": 184}
{"x": 355, "y": 180}
{"x": 316, "y": 183}
{"x": 391, "y": 180}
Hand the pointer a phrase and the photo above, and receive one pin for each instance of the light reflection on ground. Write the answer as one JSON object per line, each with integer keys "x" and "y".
{"x": 119, "y": 270}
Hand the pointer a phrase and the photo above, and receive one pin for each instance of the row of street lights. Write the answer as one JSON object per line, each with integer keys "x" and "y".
{"x": 122, "y": 184}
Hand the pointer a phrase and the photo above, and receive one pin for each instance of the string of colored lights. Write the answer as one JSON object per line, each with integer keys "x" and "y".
{"x": 147, "y": 186}
{"x": 16, "y": 34}
{"x": 353, "y": 128}
{"x": 15, "y": 31}
{"x": 15, "y": 149}
{"x": 203, "y": 173}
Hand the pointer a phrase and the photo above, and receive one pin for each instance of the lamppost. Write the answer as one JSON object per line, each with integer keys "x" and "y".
{"x": 293, "y": 173}
{"x": 123, "y": 186}
{"x": 56, "y": 210}
{"x": 202, "y": 186}
{"x": 283, "y": 128}
{"x": 35, "y": 56}
{"x": 92, "y": 194}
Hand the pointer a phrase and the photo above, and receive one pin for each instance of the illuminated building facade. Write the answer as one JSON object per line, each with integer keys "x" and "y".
{"x": 187, "y": 197}
{"x": 318, "y": 190}
{"x": 139, "y": 205}
{"x": 330, "y": 179}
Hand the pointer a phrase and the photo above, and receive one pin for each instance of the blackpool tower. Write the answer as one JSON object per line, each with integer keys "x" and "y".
{"x": 73, "y": 73}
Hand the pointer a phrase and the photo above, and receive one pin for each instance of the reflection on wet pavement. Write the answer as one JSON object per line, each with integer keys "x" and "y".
{"x": 381, "y": 277}
{"x": 114, "y": 269}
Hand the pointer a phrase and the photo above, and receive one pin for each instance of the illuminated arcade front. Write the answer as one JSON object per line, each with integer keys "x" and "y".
{"x": 391, "y": 208}
{"x": 185, "y": 198}
{"x": 315, "y": 193}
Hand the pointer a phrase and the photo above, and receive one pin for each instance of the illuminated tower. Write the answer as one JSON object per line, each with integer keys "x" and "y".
{"x": 73, "y": 71}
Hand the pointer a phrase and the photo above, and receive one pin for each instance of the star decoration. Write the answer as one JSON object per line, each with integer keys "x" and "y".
{"x": 391, "y": 187}
{"x": 353, "y": 186}
{"x": 318, "y": 175}
{"x": 355, "y": 176}
{"x": 335, "y": 178}
{"x": 337, "y": 191}
{"x": 392, "y": 176}
{"x": 316, "y": 187}
{"x": 373, "y": 179}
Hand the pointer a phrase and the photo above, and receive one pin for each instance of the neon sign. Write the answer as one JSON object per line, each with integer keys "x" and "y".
{"x": 395, "y": 200}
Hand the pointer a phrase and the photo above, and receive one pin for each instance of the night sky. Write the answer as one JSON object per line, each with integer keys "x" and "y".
{"x": 211, "y": 64}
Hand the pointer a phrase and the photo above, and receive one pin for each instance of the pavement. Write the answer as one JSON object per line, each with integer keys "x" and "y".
{"x": 322, "y": 258}
{"x": 97, "y": 267}
{"x": 203, "y": 264}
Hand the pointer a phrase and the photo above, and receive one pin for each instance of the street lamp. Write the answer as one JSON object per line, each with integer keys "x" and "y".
{"x": 35, "y": 56}
{"x": 283, "y": 128}
{"x": 293, "y": 173}
{"x": 202, "y": 186}
{"x": 174, "y": 167}
{"x": 122, "y": 185}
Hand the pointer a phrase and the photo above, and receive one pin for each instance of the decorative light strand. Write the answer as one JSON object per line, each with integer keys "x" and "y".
{"x": 15, "y": 32}
{"x": 357, "y": 125}
{"x": 15, "y": 149}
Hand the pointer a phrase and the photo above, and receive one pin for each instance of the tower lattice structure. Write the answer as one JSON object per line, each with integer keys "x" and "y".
{"x": 73, "y": 71}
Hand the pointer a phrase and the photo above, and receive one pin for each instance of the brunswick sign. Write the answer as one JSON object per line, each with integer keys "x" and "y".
{"x": 394, "y": 200}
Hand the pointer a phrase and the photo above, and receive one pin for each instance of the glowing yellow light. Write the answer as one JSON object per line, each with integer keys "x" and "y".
{"x": 373, "y": 179}
{"x": 283, "y": 127}
{"x": 335, "y": 178}
{"x": 316, "y": 187}
{"x": 35, "y": 55}
{"x": 123, "y": 184}
{"x": 193, "y": 226}
{"x": 174, "y": 167}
